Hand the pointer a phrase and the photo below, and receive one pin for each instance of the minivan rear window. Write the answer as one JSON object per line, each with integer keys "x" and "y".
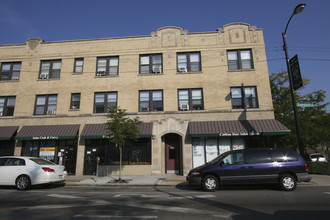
{"x": 283, "y": 155}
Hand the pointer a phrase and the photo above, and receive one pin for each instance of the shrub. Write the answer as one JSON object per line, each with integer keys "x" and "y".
{"x": 318, "y": 168}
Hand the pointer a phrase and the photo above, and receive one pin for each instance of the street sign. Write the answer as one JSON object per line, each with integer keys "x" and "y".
{"x": 305, "y": 105}
{"x": 295, "y": 72}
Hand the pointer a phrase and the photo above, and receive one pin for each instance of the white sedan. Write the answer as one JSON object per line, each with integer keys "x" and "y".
{"x": 23, "y": 172}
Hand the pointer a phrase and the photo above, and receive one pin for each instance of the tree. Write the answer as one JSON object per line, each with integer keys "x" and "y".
{"x": 314, "y": 121}
{"x": 122, "y": 130}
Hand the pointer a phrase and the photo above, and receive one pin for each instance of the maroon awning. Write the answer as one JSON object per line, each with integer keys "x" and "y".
{"x": 95, "y": 131}
{"x": 7, "y": 132}
{"x": 237, "y": 128}
{"x": 48, "y": 132}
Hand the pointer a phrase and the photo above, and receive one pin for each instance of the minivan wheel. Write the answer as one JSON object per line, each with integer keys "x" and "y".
{"x": 287, "y": 182}
{"x": 23, "y": 182}
{"x": 210, "y": 183}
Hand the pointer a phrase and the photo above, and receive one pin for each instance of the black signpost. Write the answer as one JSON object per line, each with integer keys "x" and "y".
{"x": 295, "y": 73}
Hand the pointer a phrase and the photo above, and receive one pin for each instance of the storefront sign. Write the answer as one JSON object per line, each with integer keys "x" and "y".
{"x": 47, "y": 153}
{"x": 240, "y": 134}
{"x": 45, "y": 138}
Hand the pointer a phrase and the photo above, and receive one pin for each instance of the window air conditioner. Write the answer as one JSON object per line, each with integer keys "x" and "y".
{"x": 51, "y": 112}
{"x": 183, "y": 69}
{"x": 184, "y": 107}
{"x": 100, "y": 73}
{"x": 44, "y": 76}
{"x": 156, "y": 69}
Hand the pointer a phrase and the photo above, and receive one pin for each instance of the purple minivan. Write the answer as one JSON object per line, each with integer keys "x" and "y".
{"x": 281, "y": 166}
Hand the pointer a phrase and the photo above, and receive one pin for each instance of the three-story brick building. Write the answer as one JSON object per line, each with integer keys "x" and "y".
{"x": 198, "y": 94}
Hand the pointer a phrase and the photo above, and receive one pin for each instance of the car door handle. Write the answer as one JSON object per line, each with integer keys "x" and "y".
{"x": 250, "y": 167}
{"x": 242, "y": 168}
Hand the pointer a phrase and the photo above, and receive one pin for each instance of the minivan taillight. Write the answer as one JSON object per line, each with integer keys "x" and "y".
{"x": 306, "y": 168}
{"x": 47, "y": 169}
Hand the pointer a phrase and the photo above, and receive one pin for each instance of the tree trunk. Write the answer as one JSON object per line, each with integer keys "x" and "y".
{"x": 120, "y": 161}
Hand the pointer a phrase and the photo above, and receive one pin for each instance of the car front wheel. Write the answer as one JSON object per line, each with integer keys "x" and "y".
{"x": 23, "y": 182}
{"x": 288, "y": 182}
{"x": 210, "y": 183}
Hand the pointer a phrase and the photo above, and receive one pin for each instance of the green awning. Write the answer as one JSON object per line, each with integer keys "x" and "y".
{"x": 265, "y": 127}
{"x": 99, "y": 131}
{"x": 48, "y": 132}
{"x": 7, "y": 132}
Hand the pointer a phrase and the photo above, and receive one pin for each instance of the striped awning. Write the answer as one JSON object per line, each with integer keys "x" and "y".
{"x": 48, "y": 132}
{"x": 96, "y": 131}
{"x": 7, "y": 132}
{"x": 237, "y": 128}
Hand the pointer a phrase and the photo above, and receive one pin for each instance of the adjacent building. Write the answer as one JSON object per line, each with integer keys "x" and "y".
{"x": 198, "y": 95}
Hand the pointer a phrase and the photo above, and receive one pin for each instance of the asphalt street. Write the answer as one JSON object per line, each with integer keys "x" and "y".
{"x": 164, "y": 202}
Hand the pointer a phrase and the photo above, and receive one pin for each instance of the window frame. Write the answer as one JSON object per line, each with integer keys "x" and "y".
{"x": 190, "y": 99}
{"x": 46, "y": 106}
{"x": 151, "y": 100}
{"x": 75, "y": 68}
{"x": 188, "y": 68}
{"x": 52, "y": 73}
{"x": 72, "y": 103}
{"x": 151, "y": 63}
{"x": 239, "y": 60}
{"x": 245, "y": 101}
{"x": 105, "y": 101}
{"x": 108, "y": 66}
{"x": 6, "y": 107}
{"x": 11, "y": 71}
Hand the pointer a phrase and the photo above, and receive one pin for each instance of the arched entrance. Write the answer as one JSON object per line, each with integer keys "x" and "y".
{"x": 173, "y": 153}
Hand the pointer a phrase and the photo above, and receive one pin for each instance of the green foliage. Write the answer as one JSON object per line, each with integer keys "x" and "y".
{"x": 314, "y": 122}
{"x": 318, "y": 168}
{"x": 122, "y": 130}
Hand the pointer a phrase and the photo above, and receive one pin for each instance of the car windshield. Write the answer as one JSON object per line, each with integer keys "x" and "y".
{"x": 41, "y": 161}
{"x": 218, "y": 158}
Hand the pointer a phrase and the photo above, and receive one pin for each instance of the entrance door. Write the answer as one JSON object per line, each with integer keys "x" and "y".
{"x": 173, "y": 152}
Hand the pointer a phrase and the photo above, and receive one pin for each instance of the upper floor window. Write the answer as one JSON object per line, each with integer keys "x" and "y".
{"x": 78, "y": 65}
{"x": 151, "y": 101}
{"x": 151, "y": 63}
{"x": 190, "y": 99}
{"x": 107, "y": 66}
{"x": 7, "y": 105}
{"x": 189, "y": 62}
{"x": 239, "y": 60}
{"x": 104, "y": 100}
{"x": 50, "y": 69}
{"x": 45, "y": 105}
{"x": 244, "y": 97}
{"x": 75, "y": 101}
{"x": 10, "y": 71}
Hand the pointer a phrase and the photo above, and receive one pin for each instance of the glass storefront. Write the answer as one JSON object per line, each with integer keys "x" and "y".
{"x": 62, "y": 152}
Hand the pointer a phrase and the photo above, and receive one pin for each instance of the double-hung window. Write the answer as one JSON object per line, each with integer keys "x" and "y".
{"x": 190, "y": 99}
{"x": 239, "y": 59}
{"x": 244, "y": 97}
{"x": 189, "y": 62}
{"x": 75, "y": 101}
{"x": 78, "y": 65}
{"x": 50, "y": 69}
{"x": 104, "y": 100}
{"x": 151, "y": 101}
{"x": 10, "y": 71}
{"x": 151, "y": 63}
{"x": 45, "y": 105}
{"x": 7, "y": 105}
{"x": 107, "y": 66}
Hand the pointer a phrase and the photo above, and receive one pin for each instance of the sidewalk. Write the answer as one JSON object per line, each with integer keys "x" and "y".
{"x": 167, "y": 180}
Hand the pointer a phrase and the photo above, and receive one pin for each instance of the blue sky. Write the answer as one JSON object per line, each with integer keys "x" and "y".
{"x": 55, "y": 20}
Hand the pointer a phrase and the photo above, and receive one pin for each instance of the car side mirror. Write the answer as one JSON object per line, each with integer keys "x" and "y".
{"x": 221, "y": 163}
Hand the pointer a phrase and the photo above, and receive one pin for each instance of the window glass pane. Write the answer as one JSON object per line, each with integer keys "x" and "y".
{"x": 2, "y": 101}
{"x": 246, "y": 64}
{"x": 157, "y": 96}
{"x": 183, "y": 94}
{"x": 157, "y": 59}
{"x": 194, "y": 57}
{"x": 250, "y": 92}
{"x": 245, "y": 55}
{"x": 113, "y": 70}
{"x": 144, "y": 60}
{"x": 45, "y": 66}
{"x": 41, "y": 100}
{"x": 56, "y": 65}
{"x": 11, "y": 101}
{"x": 232, "y": 55}
{"x": 99, "y": 98}
{"x": 6, "y": 67}
{"x": 52, "y": 100}
{"x": 144, "y": 96}
{"x": 194, "y": 67}
{"x": 112, "y": 97}
{"x": 145, "y": 69}
{"x": 101, "y": 64}
{"x": 182, "y": 58}
{"x": 236, "y": 93}
{"x": 114, "y": 61}
{"x": 40, "y": 110}
{"x": 16, "y": 67}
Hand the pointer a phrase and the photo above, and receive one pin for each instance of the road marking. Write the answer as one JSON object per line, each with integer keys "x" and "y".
{"x": 115, "y": 217}
{"x": 164, "y": 196}
{"x": 65, "y": 196}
